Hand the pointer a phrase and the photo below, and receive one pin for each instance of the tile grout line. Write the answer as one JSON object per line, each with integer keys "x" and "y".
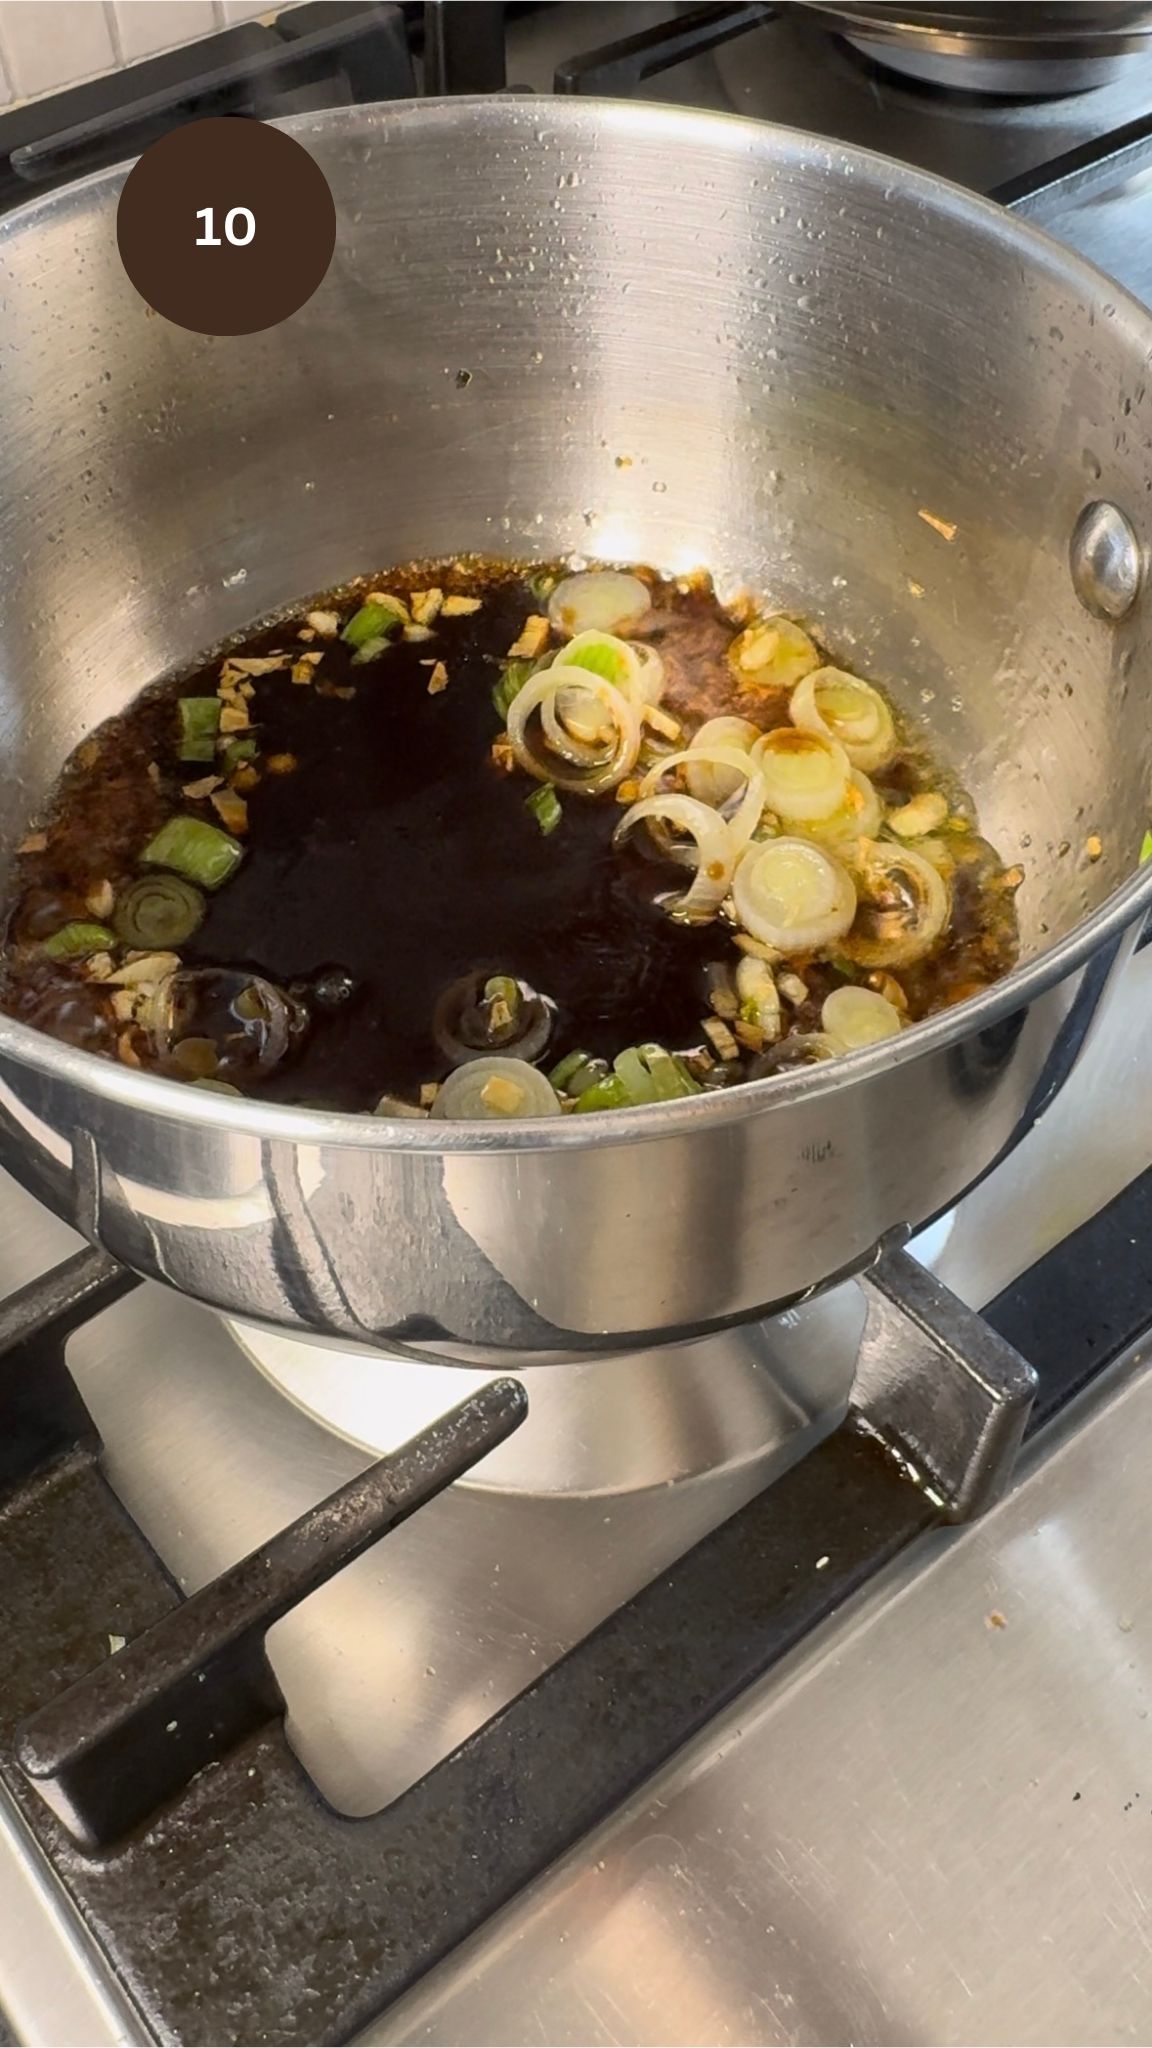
{"x": 110, "y": 17}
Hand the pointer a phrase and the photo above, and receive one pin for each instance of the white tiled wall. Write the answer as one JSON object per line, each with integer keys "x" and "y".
{"x": 45, "y": 44}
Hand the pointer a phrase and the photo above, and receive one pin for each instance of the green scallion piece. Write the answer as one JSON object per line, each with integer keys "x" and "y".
{"x": 691, "y": 1084}
{"x": 667, "y": 1080}
{"x": 610, "y": 1093}
{"x": 583, "y": 1075}
{"x": 75, "y": 941}
{"x": 545, "y": 807}
{"x": 159, "y": 912}
{"x": 213, "y": 1086}
{"x": 373, "y": 621}
{"x": 631, "y": 1070}
{"x": 242, "y": 748}
{"x": 1146, "y": 848}
{"x": 371, "y": 650}
{"x": 199, "y": 851}
{"x": 513, "y": 677}
{"x": 564, "y": 1069}
{"x": 642, "y": 1073}
{"x": 587, "y": 1076}
{"x": 199, "y": 726}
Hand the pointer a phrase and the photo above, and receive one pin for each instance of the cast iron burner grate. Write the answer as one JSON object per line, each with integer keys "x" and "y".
{"x": 620, "y": 68}
{"x": 227, "y": 1899}
{"x": 328, "y": 53}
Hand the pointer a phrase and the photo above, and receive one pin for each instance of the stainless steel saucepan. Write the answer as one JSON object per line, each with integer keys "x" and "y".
{"x": 863, "y": 392}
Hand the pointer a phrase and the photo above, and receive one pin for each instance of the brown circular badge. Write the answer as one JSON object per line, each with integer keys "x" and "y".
{"x": 226, "y": 226}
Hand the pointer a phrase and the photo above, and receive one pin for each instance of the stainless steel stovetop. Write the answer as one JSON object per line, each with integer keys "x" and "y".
{"x": 931, "y": 1820}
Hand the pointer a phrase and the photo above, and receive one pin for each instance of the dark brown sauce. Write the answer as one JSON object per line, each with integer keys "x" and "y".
{"x": 396, "y": 856}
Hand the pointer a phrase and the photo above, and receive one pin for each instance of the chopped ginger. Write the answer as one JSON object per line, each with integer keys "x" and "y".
{"x": 231, "y": 810}
{"x": 501, "y": 1096}
{"x": 659, "y": 721}
{"x": 532, "y": 640}
{"x": 922, "y": 814}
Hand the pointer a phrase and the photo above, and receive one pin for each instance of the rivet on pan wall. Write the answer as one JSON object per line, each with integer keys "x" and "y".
{"x": 1106, "y": 561}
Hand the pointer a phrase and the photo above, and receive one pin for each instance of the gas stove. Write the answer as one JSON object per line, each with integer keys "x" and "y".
{"x": 667, "y": 1699}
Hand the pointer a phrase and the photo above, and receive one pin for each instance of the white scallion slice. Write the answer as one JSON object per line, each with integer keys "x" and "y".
{"x": 603, "y": 654}
{"x": 793, "y": 895}
{"x": 759, "y": 996}
{"x": 612, "y": 760}
{"x": 714, "y": 785}
{"x": 843, "y": 708}
{"x": 575, "y": 715}
{"x": 715, "y": 855}
{"x": 651, "y": 683}
{"x": 903, "y": 907}
{"x": 806, "y": 775}
{"x": 773, "y": 654}
{"x": 859, "y": 817}
{"x": 599, "y": 601}
{"x": 577, "y": 726}
{"x": 744, "y": 815}
{"x": 852, "y": 1017}
{"x": 496, "y": 1088}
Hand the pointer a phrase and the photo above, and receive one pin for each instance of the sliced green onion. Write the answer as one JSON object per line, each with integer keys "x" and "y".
{"x": 903, "y": 908}
{"x": 545, "y": 807}
{"x": 1146, "y": 848}
{"x": 499, "y": 1009}
{"x": 199, "y": 726}
{"x": 513, "y": 677}
{"x": 691, "y": 1084}
{"x": 772, "y": 654}
{"x": 159, "y": 910}
{"x": 610, "y": 1093}
{"x": 242, "y": 748}
{"x": 562, "y": 1072}
{"x": 668, "y": 1078}
{"x": 195, "y": 849}
{"x": 842, "y": 707}
{"x": 587, "y": 1076}
{"x": 371, "y": 650}
{"x": 632, "y": 1071}
{"x": 75, "y": 941}
{"x": 501, "y": 988}
{"x": 578, "y": 1072}
{"x": 649, "y": 1073}
{"x": 852, "y": 1017}
{"x": 215, "y": 1087}
{"x": 599, "y": 601}
{"x": 806, "y": 774}
{"x": 496, "y": 1087}
{"x": 373, "y": 621}
{"x": 792, "y": 895}
{"x": 603, "y": 654}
